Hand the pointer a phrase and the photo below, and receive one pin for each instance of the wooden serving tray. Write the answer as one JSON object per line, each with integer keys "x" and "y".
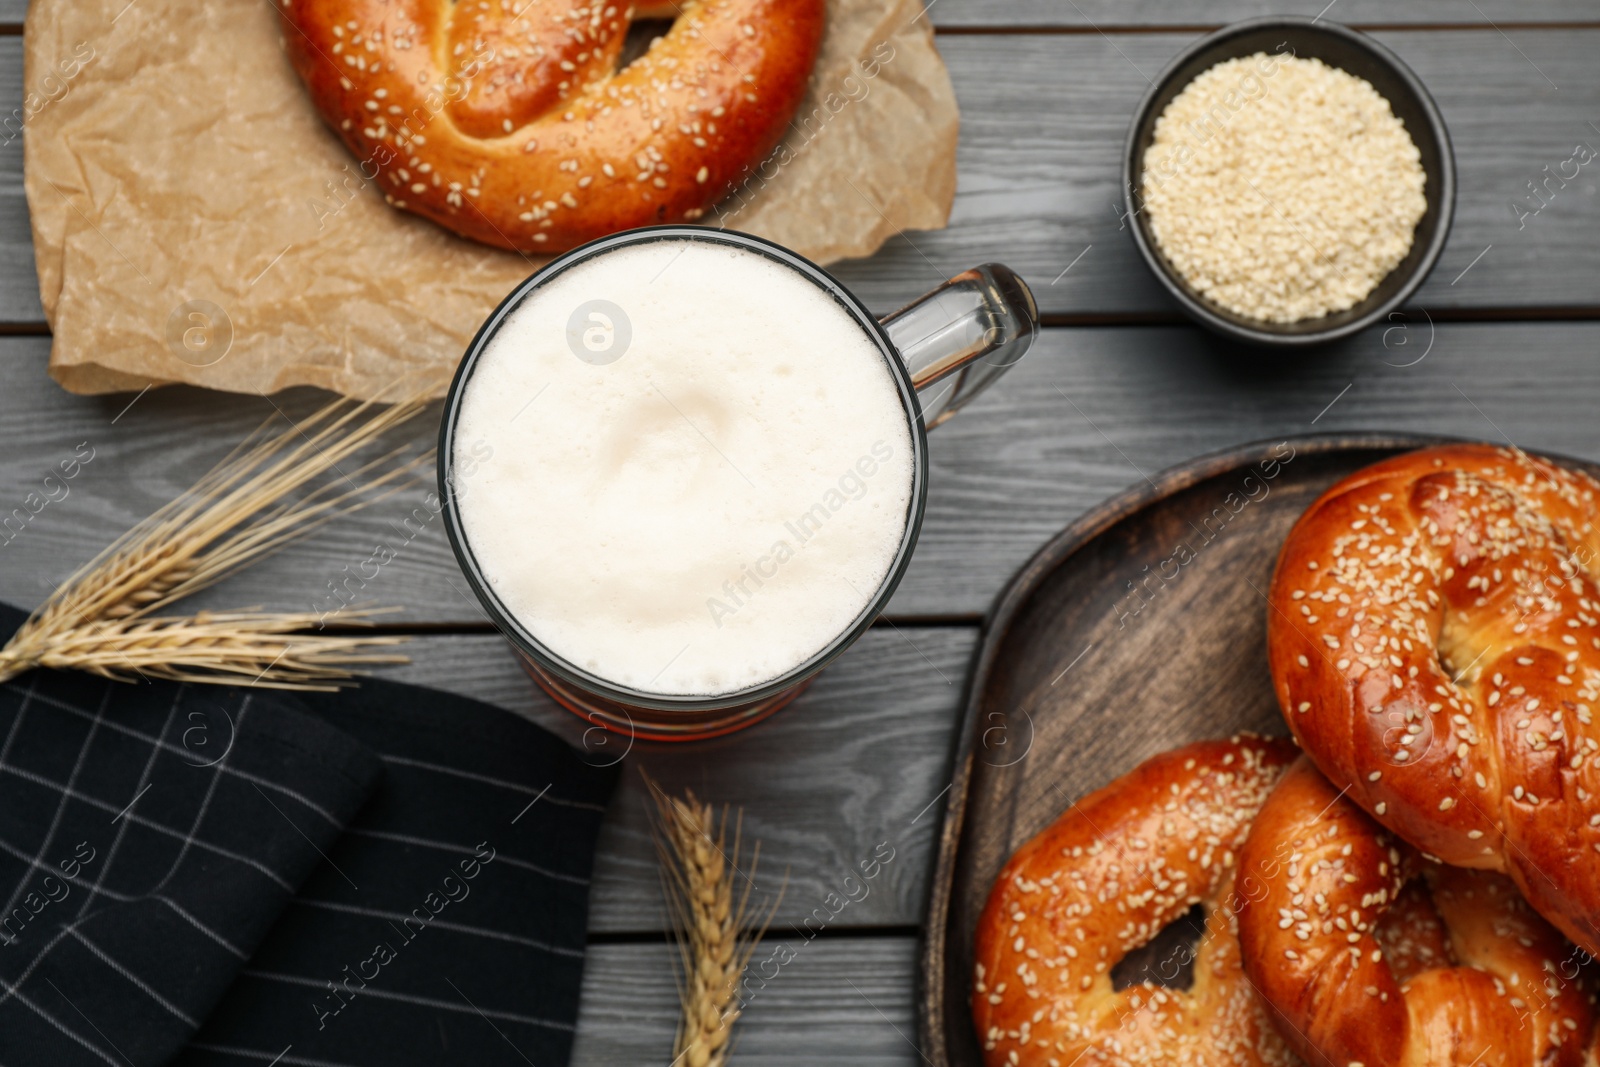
{"x": 1080, "y": 676}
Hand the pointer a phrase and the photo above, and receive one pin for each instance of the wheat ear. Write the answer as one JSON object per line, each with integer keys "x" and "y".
{"x": 102, "y": 619}
{"x": 712, "y": 922}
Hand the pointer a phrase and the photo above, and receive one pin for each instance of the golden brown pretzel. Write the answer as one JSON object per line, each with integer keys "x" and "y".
{"x": 1434, "y": 636}
{"x": 507, "y": 121}
{"x": 1477, "y": 979}
{"x": 1103, "y": 880}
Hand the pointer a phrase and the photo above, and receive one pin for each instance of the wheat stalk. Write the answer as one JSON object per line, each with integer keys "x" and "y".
{"x": 714, "y": 939}
{"x": 258, "y": 648}
{"x": 103, "y": 618}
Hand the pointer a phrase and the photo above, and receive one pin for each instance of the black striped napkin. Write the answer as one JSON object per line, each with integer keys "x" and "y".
{"x": 226, "y": 876}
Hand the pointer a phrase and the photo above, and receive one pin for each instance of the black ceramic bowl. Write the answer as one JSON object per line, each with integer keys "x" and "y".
{"x": 1350, "y": 51}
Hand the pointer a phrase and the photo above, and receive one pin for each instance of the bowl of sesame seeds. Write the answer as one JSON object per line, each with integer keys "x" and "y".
{"x": 1289, "y": 181}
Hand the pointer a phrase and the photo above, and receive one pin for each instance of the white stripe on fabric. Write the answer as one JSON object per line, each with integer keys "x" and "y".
{"x": 71, "y": 928}
{"x": 124, "y": 898}
{"x": 39, "y": 864}
{"x": 409, "y": 998}
{"x": 13, "y": 991}
{"x": 34, "y": 964}
{"x": 474, "y": 776}
{"x": 95, "y": 802}
{"x": 122, "y": 830}
{"x": 269, "y": 1057}
{"x": 460, "y": 928}
{"x": 61, "y": 805}
{"x": 190, "y": 839}
{"x": 139, "y": 983}
{"x": 22, "y": 711}
{"x": 179, "y": 750}
{"x": 446, "y": 846}
{"x": 202, "y": 927}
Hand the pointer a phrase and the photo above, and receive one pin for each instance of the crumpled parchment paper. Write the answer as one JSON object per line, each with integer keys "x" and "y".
{"x": 194, "y": 221}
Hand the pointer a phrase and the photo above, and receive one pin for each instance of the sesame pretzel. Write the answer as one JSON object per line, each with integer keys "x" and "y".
{"x": 1359, "y": 967}
{"x": 1434, "y": 637}
{"x": 508, "y": 122}
{"x": 1102, "y": 881}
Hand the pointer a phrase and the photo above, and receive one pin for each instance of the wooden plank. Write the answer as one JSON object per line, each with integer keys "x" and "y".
{"x": 1080, "y": 419}
{"x": 1112, "y": 16}
{"x": 1043, "y": 122}
{"x": 1043, "y": 119}
{"x": 1096, "y": 410}
{"x": 839, "y": 1001}
{"x": 19, "y": 285}
{"x": 845, "y": 776}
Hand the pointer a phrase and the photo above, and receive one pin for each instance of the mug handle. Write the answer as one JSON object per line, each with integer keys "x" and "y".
{"x": 962, "y": 336}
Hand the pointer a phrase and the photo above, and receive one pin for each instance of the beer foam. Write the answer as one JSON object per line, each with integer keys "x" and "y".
{"x": 706, "y": 511}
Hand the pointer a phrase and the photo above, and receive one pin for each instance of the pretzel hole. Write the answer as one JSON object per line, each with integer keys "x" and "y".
{"x": 1461, "y": 656}
{"x": 640, "y": 36}
{"x": 1168, "y": 958}
{"x": 1412, "y": 935}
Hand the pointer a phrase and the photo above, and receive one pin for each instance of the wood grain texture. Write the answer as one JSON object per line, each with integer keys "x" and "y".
{"x": 848, "y": 772}
{"x": 1094, "y": 411}
{"x": 839, "y": 1001}
{"x": 1087, "y": 413}
{"x": 1043, "y": 119}
{"x": 1112, "y": 15}
{"x": 19, "y": 284}
{"x": 856, "y": 761}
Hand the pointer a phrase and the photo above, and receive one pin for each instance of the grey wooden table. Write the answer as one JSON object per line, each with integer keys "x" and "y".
{"x": 1502, "y": 343}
